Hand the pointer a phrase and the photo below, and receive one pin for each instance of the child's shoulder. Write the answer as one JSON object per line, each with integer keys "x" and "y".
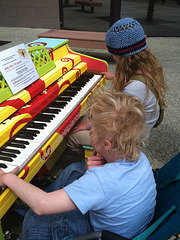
{"x": 134, "y": 85}
{"x": 144, "y": 162}
{"x": 137, "y": 89}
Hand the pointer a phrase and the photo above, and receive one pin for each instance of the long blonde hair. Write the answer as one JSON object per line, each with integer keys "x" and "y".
{"x": 120, "y": 119}
{"x": 150, "y": 68}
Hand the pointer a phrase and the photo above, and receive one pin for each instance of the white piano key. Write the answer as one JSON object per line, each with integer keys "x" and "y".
{"x": 24, "y": 152}
{"x": 9, "y": 168}
{"x": 16, "y": 161}
{"x": 29, "y": 140}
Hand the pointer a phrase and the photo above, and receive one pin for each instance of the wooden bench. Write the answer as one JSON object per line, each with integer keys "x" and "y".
{"x": 89, "y": 3}
{"x": 81, "y": 39}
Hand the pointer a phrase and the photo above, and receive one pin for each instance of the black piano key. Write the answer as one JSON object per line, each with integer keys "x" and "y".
{"x": 43, "y": 120}
{"x": 5, "y": 149}
{"x": 20, "y": 141}
{"x": 44, "y": 116}
{"x": 66, "y": 94}
{"x": 67, "y": 91}
{"x": 16, "y": 145}
{"x": 7, "y": 159}
{"x": 58, "y": 104}
{"x": 6, "y": 154}
{"x": 78, "y": 84}
{"x": 83, "y": 81}
{"x": 37, "y": 125}
{"x": 64, "y": 98}
{"x": 87, "y": 76}
{"x": 60, "y": 101}
{"x": 80, "y": 81}
{"x": 48, "y": 116}
{"x": 56, "y": 109}
{"x": 74, "y": 89}
{"x": 3, "y": 165}
{"x": 23, "y": 136}
{"x": 51, "y": 110}
{"x": 70, "y": 92}
{"x": 30, "y": 132}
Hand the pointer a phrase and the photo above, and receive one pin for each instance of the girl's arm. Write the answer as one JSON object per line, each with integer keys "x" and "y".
{"x": 109, "y": 75}
{"x": 81, "y": 127}
{"x": 41, "y": 202}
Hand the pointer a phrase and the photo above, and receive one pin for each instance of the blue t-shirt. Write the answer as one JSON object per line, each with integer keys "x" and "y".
{"x": 119, "y": 196}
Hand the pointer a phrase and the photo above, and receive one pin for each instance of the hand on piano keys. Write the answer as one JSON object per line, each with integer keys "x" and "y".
{"x": 2, "y": 173}
{"x": 109, "y": 75}
{"x": 33, "y": 195}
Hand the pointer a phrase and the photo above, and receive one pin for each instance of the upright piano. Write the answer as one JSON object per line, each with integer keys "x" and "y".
{"x": 34, "y": 122}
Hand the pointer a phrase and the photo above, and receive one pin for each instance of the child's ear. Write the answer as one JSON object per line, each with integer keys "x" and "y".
{"x": 107, "y": 145}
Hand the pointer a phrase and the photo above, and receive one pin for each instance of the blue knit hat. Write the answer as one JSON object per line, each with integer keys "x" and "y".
{"x": 126, "y": 37}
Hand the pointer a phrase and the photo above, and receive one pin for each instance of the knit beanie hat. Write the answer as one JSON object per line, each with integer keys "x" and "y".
{"x": 126, "y": 37}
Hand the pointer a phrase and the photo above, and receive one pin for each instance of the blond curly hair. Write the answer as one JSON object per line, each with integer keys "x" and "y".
{"x": 120, "y": 119}
{"x": 150, "y": 68}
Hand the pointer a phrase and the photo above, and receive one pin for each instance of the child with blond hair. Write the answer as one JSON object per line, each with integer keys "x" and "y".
{"x": 119, "y": 196}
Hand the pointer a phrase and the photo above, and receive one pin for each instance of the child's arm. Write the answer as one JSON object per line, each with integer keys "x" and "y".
{"x": 109, "y": 75}
{"x": 41, "y": 202}
{"x": 82, "y": 126}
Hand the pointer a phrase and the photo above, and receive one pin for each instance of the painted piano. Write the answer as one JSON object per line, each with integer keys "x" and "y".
{"x": 34, "y": 122}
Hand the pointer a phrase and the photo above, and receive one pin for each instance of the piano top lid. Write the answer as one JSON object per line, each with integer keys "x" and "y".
{"x": 49, "y": 43}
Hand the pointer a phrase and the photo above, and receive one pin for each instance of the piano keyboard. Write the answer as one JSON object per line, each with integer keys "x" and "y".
{"x": 26, "y": 143}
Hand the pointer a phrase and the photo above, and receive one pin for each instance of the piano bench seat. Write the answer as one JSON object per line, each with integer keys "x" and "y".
{"x": 89, "y": 3}
{"x": 82, "y": 39}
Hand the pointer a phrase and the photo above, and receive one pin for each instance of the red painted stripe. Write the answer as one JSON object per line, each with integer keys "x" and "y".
{"x": 17, "y": 124}
{"x": 64, "y": 70}
{"x": 16, "y": 103}
{"x": 26, "y": 169}
{"x": 44, "y": 156}
{"x": 35, "y": 88}
{"x": 67, "y": 82}
{"x": 127, "y": 49}
{"x": 67, "y": 60}
{"x": 38, "y": 103}
{"x": 78, "y": 73}
{"x": 34, "y": 44}
{"x": 70, "y": 121}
